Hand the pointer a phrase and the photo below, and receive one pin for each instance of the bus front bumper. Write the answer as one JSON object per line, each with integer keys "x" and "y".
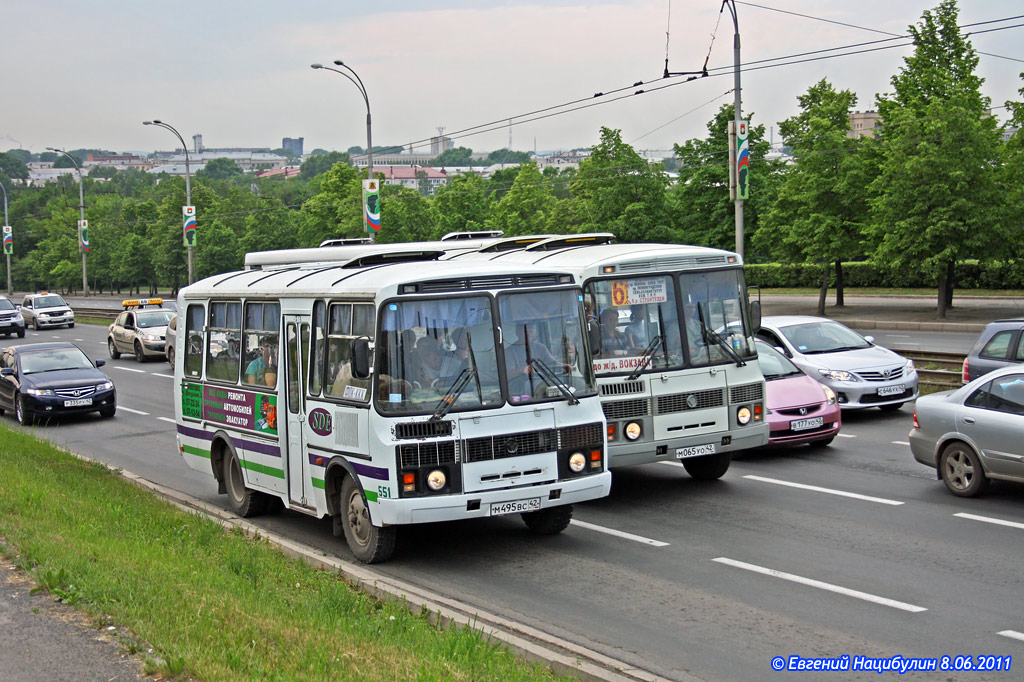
{"x": 621, "y": 454}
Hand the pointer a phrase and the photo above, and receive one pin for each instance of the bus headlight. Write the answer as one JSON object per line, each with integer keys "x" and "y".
{"x": 577, "y": 462}
{"x": 743, "y": 415}
{"x": 633, "y": 430}
{"x": 436, "y": 480}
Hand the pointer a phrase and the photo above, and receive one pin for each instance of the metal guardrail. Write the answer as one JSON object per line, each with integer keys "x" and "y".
{"x": 937, "y": 369}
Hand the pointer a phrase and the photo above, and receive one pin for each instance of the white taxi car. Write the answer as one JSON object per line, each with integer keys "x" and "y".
{"x": 46, "y": 310}
{"x": 141, "y": 329}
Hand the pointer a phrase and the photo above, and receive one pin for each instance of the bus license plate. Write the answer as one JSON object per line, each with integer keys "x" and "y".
{"x": 695, "y": 451}
{"x": 515, "y": 507}
{"x": 891, "y": 390}
{"x": 804, "y": 424}
{"x": 78, "y": 403}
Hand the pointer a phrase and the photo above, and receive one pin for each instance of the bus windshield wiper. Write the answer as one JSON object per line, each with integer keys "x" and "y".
{"x": 645, "y": 359}
{"x": 449, "y": 398}
{"x": 719, "y": 341}
{"x": 550, "y": 378}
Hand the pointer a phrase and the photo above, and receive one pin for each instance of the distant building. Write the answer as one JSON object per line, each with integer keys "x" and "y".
{"x": 1008, "y": 132}
{"x": 864, "y": 124}
{"x": 439, "y": 144}
{"x": 197, "y": 143}
{"x": 407, "y": 176}
{"x": 293, "y": 145}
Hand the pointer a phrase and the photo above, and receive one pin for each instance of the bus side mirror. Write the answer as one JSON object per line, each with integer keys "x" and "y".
{"x": 594, "y": 336}
{"x": 755, "y": 315}
{"x": 361, "y": 358}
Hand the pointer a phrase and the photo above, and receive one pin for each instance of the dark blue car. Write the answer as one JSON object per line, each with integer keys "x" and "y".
{"x": 51, "y": 379}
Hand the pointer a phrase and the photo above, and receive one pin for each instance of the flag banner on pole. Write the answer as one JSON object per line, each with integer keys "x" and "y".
{"x": 8, "y": 240}
{"x": 371, "y": 205}
{"x": 743, "y": 161}
{"x": 189, "y": 234}
{"x": 83, "y": 235}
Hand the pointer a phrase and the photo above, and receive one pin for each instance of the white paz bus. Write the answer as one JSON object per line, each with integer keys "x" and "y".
{"x": 391, "y": 389}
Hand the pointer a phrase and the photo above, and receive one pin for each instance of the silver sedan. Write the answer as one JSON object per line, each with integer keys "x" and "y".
{"x": 973, "y": 434}
{"x": 861, "y": 373}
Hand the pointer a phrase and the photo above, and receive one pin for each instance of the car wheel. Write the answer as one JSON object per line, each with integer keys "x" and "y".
{"x": 550, "y": 521}
{"x": 35, "y": 324}
{"x": 244, "y": 502}
{"x": 890, "y": 408}
{"x": 371, "y": 544}
{"x": 20, "y": 413}
{"x": 708, "y": 468}
{"x": 170, "y": 357}
{"x": 71, "y": 325}
{"x": 21, "y": 333}
{"x": 138, "y": 352}
{"x": 112, "y": 349}
{"x": 961, "y": 470}
{"x": 108, "y": 412}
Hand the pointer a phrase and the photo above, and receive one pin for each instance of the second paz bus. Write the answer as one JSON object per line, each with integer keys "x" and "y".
{"x": 391, "y": 388}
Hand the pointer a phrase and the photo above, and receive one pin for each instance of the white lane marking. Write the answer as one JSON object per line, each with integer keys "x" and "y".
{"x": 54, "y": 337}
{"x": 128, "y": 409}
{"x": 129, "y": 369}
{"x": 158, "y": 374}
{"x": 619, "y": 534}
{"x": 846, "y": 435}
{"x": 167, "y": 419}
{"x": 830, "y": 491}
{"x": 1012, "y": 634}
{"x": 897, "y": 336}
{"x": 988, "y": 519}
{"x": 901, "y": 442}
{"x": 822, "y": 585}
{"x": 79, "y": 339}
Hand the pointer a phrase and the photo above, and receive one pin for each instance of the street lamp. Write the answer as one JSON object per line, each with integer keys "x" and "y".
{"x": 82, "y": 234}
{"x": 358, "y": 82}
{"x": 188, "y": 182}
{"x": 7, "y": 224}
{"x": 731, "y": 4}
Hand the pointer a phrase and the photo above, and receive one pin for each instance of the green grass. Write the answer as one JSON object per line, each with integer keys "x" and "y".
{"x": 213, "y": 604}
{"x": 877, "y": 291}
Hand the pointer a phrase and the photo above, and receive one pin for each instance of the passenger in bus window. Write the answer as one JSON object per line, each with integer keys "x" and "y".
{"x": 636, "y": 330}
{"x": 613, "y": 342}
{"x": 427, "y": 366}
{"x": 260, "y": 370}
{"x": 524, "y": 348}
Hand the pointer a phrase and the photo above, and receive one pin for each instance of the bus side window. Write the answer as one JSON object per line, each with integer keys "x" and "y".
{"x": 262, "y": 336}
{"x": 317, "y": 349}
{"x": 194, "y": 340}
{"x": 346, "y": 323}
{"x": 223, "y": 340}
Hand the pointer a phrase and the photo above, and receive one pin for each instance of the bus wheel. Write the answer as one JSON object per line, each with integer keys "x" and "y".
{"x": 244, "y": 502}
{"x": 371, "y": 544}
{"x": 550, "y": 521}
{"x": 708, "y": 468}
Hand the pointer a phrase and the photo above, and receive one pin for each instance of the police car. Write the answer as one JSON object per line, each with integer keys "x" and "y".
{"x": 46, "y": 310}
{"x": 141, "y": 329}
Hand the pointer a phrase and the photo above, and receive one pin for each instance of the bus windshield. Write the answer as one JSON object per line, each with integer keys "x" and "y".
{"x": 714, "y": 314}
{"x": 542, "y": 340}
{"x": 437, "y": 355}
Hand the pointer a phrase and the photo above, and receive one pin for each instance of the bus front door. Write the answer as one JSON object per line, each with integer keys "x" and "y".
{"x": 297, "y": 465}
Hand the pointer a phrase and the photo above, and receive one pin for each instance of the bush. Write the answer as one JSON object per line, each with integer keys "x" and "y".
{"x": 970, "y": 274}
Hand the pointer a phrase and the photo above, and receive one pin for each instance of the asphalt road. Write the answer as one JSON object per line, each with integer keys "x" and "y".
{"x": 853, "y": 549}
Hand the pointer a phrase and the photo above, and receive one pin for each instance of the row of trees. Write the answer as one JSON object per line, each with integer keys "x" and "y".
{"x": 937, "y": 185}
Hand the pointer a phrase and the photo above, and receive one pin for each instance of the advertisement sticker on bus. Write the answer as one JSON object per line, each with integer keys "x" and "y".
{"x": 639, "y": 291}
{"x": 616, "y": 364}
{"x": 231, "y": 407}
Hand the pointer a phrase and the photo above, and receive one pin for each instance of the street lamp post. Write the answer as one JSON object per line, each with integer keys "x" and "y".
{"x": 7, "y": 223}
{"x": 188, "y": 182}
{"x": 736, "y": 116}
{"x": 358, "y": 82}
{"x": 82, "y": 235}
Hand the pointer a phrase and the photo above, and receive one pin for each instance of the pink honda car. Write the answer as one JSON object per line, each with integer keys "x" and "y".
{"x": 800, "y": 409}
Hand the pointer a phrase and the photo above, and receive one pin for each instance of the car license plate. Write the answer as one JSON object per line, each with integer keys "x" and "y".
{"x": 78, "y": 403}
{"x": 695, "y": 451}
{"x": 891, "y": 390}
{"x": 515, "y": 507}
{"x": 804, "y": 424}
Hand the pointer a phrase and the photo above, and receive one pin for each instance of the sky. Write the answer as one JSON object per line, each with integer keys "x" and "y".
{"x": 86, "y": 74}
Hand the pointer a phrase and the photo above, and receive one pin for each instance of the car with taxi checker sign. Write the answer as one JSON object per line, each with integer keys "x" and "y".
{"x": 141, "y": 329}
{"x": 39, "y": 380}
{"x": 46, "y": 310}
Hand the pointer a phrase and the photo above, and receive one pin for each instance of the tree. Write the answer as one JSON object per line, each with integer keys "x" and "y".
{"x": 526, "y": 207}
{"x": 219, "y": 252}
{"x": 317, "y": 164}
{"x": 220, "y": 169}
{"x": 12, "y": 166}
{"x": 704, "y": 213}
{"x": 507, "y": 156}
{"x": 404, "y": 216}
{"x": 456, "y": 156}
{"x": 22, "y": 155}
{"x": 1008, "y": 177}
{"x": 821, "y": 207}
{"x": 62, "y": 161}
{"x": 461, "y": 205}
{"x": 336, "y": 210}
{"x": 269, "y": 229}
{"x": 935, "y": 199}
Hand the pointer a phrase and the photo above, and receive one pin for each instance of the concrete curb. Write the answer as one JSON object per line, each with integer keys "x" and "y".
{"x": 963, "y": 327}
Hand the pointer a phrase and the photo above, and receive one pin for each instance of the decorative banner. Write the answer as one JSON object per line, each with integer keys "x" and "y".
{"x": 742, "y": 168}
{"x": 83, "y": 235}
{"x": 371, "y": 205}
{"x": 189, "y": 214}
{"x": 8, "y": 240}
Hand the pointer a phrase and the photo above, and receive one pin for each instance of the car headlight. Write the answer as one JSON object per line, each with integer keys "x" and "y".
{"x": 830, "y": 395}
{"x": 576, "y": 462}
{"x": 436, "y": 480}
{"x": 39, "y": 391}
{"x": 743, "y": 415}
{"x": 105, "y": 386}
{"x": 838, "y": 375}
{"x": 19, "y": 318}
{"x": 633, "y": 430}
{"x": 151, "y": 337}
{"x": 909, "y": 367}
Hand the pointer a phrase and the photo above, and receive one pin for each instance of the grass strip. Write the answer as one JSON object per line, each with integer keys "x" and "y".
{"x": 214, "y": 605}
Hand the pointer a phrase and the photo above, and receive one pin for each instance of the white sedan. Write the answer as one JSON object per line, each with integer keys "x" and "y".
{"x": 861, "y": 373}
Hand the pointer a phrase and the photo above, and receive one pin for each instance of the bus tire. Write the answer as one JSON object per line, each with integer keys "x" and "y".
{"x": 244, "y": 502}
{"x": 371, "y": 544}
{"x": 550, "y": 521}
{"x": 709, "y": 467}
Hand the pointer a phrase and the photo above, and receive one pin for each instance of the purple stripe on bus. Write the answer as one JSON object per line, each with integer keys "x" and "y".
{"x": 369, "y": 471}
{"x": 251, "y": 446}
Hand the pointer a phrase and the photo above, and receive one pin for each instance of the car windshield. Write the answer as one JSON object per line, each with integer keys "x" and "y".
{"x": 5, "y": 304}
{"x": 437, "y": 354}
{"x": 774, "y": 365}
{"x": 155, "y": 318}
{"x": 823, "y": 337}
{"x": 50, "y": 301}
{"x": 53, "y": 359}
